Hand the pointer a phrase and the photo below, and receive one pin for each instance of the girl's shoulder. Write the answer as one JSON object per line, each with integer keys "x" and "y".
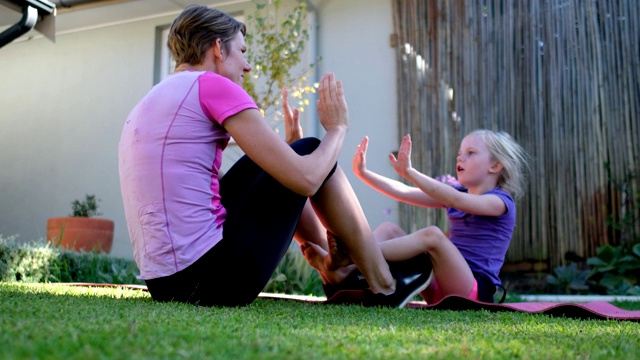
{"x": 506, "y": 198}
{"x": 501, "y": 193}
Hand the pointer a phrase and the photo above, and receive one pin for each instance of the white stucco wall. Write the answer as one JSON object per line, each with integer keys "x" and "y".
{"x": 354, "y": 43}
{"x": 62, "y": 107}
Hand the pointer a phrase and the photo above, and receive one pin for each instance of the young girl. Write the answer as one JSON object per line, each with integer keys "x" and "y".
{"x": 481, "y": 211}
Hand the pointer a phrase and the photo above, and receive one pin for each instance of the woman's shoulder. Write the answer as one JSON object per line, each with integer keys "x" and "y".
{"x": 217, "y": 79}
{"x": 213, "y": 83}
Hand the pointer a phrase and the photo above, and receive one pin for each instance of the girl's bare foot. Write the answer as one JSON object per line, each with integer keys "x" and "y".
{"x": 317, "y": 257}
{"x": 338, "y": 255}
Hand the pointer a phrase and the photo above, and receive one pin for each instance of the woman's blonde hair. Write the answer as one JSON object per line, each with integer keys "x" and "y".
{"x": 514, "y": 160}
{"x": 195, "y": 30}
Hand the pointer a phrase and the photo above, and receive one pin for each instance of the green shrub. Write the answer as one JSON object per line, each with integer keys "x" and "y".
{"x": 569, "y": 279}
{"x": 42, "y": 262}
{"x": 616, "y": 270}
{"x": 294, "y": 275}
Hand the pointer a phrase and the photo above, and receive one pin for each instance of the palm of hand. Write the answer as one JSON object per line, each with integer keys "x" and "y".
{"x": 332, "y": 106}
{"x": 402, "y": 163}
{"x": 359, "y": 162}
{"x": 292, "y": 128}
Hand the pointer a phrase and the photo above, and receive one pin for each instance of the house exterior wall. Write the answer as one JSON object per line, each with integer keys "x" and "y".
{"x": 354, "y": 44}
{"x": 63, "y": 106}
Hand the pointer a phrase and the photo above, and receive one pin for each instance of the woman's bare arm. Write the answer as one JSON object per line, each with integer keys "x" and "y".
{"x": 302, "y": 174}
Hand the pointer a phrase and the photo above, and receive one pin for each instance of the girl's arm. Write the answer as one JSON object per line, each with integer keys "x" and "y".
{"x": 389, "y": 187}
{"x": 302, "y": 174}
{"x": 485, "y": 205}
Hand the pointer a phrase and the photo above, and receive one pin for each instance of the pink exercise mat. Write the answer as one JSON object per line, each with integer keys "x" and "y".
{"x": 590, "y": 310}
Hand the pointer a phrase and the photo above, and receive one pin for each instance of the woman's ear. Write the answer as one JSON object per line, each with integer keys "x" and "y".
{"x": 217, "y": 48}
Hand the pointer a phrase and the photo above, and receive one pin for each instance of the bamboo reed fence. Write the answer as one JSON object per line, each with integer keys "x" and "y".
{"x": 562, "y": 77}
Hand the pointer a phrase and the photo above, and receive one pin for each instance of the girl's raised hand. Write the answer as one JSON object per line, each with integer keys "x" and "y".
{"x": 359, "y": 162}
{"x": 292, "y": 128}
{"x": 403, "y": 163}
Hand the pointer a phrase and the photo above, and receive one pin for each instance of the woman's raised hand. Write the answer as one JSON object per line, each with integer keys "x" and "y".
{"x": 332, "y": 106}
{"x": 292, "y": 128}
{"x": 359, "y": 162}
{"x": 403, "y": 163}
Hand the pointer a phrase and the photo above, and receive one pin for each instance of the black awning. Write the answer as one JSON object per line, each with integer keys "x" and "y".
{"x": 34, "y": 12}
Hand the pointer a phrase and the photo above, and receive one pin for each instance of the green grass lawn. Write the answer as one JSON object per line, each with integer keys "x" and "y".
{"x": 54, "y": 321}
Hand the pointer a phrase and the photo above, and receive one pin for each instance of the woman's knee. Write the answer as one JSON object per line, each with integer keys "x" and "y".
{"x": 305, "y": 146}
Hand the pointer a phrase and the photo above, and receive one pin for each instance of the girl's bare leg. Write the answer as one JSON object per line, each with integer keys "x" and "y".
{"x": 311, "y": 235}
{"x": 339, "y": 211}
{"x": 310, "y": 229}
{"x": 388, "y": 230}
{"x": 450, "y": 268}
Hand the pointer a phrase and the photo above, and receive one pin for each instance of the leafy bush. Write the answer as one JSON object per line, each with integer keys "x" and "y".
{"x": 569, "y": 279}
{"x": 42, "y": 262}
{"x": 613, "y": 271}
{"x": 294, "y": 275}
{"x": 616, "y": 270}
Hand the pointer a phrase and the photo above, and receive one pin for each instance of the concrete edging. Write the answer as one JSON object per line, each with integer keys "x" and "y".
{"x": 578, "y": 298}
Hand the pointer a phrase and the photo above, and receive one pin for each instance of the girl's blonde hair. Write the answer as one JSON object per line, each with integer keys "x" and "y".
{"x": 514, "y": 160}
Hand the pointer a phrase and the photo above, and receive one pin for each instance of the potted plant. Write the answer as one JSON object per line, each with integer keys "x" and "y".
{"x": 81, "y": 231}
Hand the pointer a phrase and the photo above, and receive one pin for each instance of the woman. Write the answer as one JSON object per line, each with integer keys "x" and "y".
{"x": 201, "y": 240}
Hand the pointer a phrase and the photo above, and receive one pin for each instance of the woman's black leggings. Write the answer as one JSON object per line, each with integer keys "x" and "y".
{"x": 262, "y": 216}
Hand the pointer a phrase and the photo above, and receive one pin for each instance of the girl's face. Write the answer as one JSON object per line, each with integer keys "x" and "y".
{"x": 474, "y": 161}
{"x": 233, "y": 64}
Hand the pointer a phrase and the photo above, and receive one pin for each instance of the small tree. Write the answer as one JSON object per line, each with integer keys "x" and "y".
{"x": 276, "y": 43}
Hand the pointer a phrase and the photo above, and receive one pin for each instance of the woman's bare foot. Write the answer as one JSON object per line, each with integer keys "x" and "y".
{"x": 316, "y": 257}
{"x": 338, "y": 255}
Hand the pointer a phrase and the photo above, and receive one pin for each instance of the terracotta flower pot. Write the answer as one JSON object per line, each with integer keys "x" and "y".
{"x": 81, "y": 233}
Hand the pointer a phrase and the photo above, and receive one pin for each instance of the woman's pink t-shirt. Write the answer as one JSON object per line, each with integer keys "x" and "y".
{"x": 170, "y": 154}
